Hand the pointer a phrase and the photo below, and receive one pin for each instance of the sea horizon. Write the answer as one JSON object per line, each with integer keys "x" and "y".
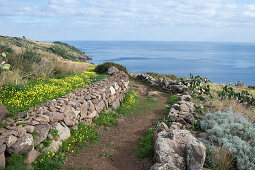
{"x": 221, "y": 62}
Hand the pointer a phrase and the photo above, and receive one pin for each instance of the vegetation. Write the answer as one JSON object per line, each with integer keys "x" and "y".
{"x": 234, "y": 133}
{"x": 172, "y": 99}
{"x": 103, "y": 68}
{"x": 15, "y": 161}
{"x": 170, "y": 76}
{"x": 18, "y": 98}
{"x": 145, "y": 148}
{"x": 107, "y": 119}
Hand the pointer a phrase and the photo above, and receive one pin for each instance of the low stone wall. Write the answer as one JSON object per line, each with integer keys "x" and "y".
{"x": 83, "y": 105}
{"x": 164, "y": 84}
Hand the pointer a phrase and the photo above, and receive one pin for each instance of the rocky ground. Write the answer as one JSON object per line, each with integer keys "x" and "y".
{"x": 118, "y": 145}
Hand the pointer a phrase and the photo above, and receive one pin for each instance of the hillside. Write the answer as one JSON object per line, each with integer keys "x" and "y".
{"x": 22, "y": 58}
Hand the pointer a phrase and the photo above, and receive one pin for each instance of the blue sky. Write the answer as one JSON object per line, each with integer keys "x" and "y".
{"x": 168, "y": 20}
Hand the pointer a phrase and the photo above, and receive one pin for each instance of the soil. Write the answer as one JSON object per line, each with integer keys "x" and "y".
{"x": 117, "y": 147}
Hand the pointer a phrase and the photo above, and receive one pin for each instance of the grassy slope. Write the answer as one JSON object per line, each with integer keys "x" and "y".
{"x": 64, "y": 50}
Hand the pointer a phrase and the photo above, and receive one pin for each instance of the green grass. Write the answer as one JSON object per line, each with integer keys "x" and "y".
{"x": 107, "y": 119}
{"x": 145, "y": 148}
{"x": 171, "y": 100}
{"x": 15, "y": 162}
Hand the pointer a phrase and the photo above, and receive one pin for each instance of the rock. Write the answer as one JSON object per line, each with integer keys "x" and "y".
{"x": 56, "y": 117}
{"x": 184, "y": 108}
{"x": 153, "y": 93}
{"x": 70, "y": 118}
{"x": 29, "y": 129}
{"x": 63, "y": 131}
{"x": 41, "y": 133}
{"x": 170, "y": 148}
{"x": 23, "y": 145}
{"x": 91, "y": 106}
{"x": 43, "y": 119}
{"x": 173, "y": 115}
{"x": 195, "y": 155}
{"x": 21, "y": 131}
{"x": 116, "y": 104}
{"x": 99, "y": 107}
{"x": 2, "y": 148}
{"x": 92, "y": 115}
{"x": 32, "y": 156}
{"x": 10, "y": 140}
{"x": 112, "y": 70}
{"x": 186, "y": 97}
{"x": 55, "y": 146}
{"x": 112, "y": 90}
{"x": 2, "y": 160}
{"x": 84, "y": 110}
{"x": 3, "y": 112}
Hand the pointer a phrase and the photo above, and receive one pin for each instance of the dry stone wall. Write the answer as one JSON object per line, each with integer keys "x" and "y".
{"x": 63, "y": 113}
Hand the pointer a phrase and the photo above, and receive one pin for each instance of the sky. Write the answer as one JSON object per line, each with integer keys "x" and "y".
{"x": 157, "y": 20}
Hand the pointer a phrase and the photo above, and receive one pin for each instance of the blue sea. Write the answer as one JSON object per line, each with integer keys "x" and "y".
{"x": 222, "y": 63}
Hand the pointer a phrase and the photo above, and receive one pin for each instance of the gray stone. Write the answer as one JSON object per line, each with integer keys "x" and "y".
{"x": 153, "y": 93}
{"x": 23, "y": 145}
{"x": 63, "y": 131}
{"x": 56, "y": 117}
{"x": 184, "y": 108}
{"x": 112, "y": 90}
{"x": 84, "y": 110}
{"x": 99, "y": 107}
{"x": 71, "y": 118}
{"x": 186, "y": 97}
{"x": 21, "y": 131}
{"x": 195, "y": 155}
{"x": 2, "y": 160}
{"x": 32, "y": 156}
{"x": 116, "y": 104}
{"x": 2, "y": 148}
{"x": 92, "y": 115}
{"x": 3, "y": 112}
{"x": 41, "y": 133}
{"x": 55, "y": 146}
{"x": 112, "y": 70}
{"x": 91, "y": 106}
{"x": 29, "y": 129}
{"x": 10, "y": 140}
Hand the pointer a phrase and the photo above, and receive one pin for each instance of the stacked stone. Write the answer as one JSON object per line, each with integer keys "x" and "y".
{"x": 63, "y": 113}
{"x": 164, "y": 84}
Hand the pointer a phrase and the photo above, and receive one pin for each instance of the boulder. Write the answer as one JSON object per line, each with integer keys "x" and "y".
{"x": 3, "y": 112}
{"x": 171, "y": 147}
{"x": 23, "y": 145}
{"x": 112, "y": 70}
{"x": 32, "y": 156}
{"x": 41, "y": 133}
{"x": 99, "y": 107}
{"x": 71, "y": 118}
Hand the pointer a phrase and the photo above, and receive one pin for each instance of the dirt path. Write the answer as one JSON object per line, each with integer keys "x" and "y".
{"x": 118, "y": 145}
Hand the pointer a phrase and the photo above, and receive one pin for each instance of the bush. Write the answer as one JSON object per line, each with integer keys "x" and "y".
{"x": 234, "y": 133}
{"x": 156, "y": 75}
{"x": 31, "y": 56}
{"x": 103, "y": 68}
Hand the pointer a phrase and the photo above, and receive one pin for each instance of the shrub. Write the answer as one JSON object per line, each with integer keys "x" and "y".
{"x": 103, "y": 68}
{"x": 156, "y": 75}
{"x": 31, "y": 56}
{"x": 234, "y": 133}
{"x": 15, "y": 161}
{"x": 107, "y": 119}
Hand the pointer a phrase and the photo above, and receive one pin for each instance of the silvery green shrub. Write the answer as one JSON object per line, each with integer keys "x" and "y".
{"x": 234, "y": 133}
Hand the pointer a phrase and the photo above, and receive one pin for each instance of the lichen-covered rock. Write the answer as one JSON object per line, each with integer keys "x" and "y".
{"x": 23, "y": 145}
{"x": 11, "y": 140}
{"x": 41, "y": 133}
